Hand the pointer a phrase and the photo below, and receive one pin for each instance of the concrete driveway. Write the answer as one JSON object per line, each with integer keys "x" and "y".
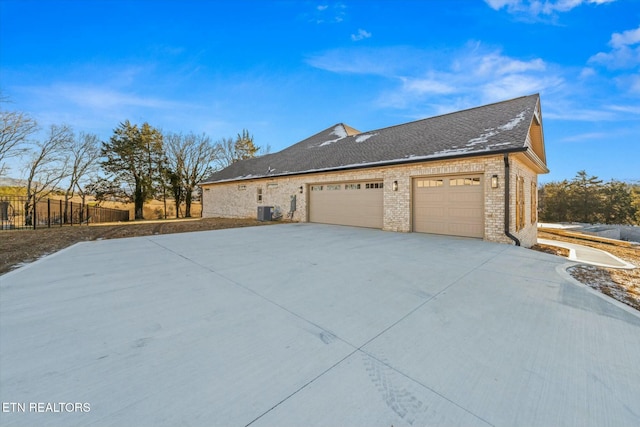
{"x": 311, "y": 325}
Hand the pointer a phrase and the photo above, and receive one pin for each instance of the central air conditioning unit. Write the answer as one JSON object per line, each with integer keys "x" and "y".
{"x": 265, "y": 213}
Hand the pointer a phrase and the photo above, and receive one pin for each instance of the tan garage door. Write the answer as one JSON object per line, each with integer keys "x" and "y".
{"x": 353, "y": 203}
{"x": 450, "y": 205}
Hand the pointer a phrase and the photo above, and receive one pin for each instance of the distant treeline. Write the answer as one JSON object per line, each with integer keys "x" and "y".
{"x": 588, "y": 199}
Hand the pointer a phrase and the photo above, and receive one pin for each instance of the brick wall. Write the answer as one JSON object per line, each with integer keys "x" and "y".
{"x": 239, "y": 199}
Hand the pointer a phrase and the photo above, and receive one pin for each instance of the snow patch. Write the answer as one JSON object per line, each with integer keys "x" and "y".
{"x": 513, "y": 123}
{"x": 338, "y": 131}
{"x": 363, "y": 138}
{"x": 484, "y": 138}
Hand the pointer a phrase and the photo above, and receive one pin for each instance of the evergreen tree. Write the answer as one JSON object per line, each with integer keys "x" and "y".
{"x": 617, "y": 207}
{"x": 132, "y": 157}
{"x": 244, "y": 148}
{"x": 585, "y": 198}
{"x": 554, "y": 202}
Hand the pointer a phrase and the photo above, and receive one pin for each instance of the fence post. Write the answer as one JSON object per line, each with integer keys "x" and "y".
{"x": 48, "y": 213}
{"x": 61, "y": 216}
{"x": 71, "y": 215}
{"x": 34, "y": 215}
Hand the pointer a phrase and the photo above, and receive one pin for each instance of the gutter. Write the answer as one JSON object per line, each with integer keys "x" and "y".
{"x": 507, "y": 201}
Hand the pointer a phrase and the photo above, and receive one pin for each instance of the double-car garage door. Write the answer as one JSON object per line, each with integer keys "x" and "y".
{"x": 451, "y": 205}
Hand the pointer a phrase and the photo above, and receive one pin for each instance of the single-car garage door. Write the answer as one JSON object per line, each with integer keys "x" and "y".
{"x": 451, "y": 205}
{"x": 352, "y": 203}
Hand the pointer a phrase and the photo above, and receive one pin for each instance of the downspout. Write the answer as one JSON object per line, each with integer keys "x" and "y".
{"x": 507, "y": 203}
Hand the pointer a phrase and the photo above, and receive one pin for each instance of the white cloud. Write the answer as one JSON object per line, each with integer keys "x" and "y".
{"x": 518, "y": 84}
{"x": 587, "y": 72}
{"x": 421, "y": 83}
{"x": 634, "y": 87}
{"x": 631, "y": 109}
{"x": 471, "y": 75}
{"x": 362, "y": 34}
{"x": 539, "y": 7}
{"x": 563, "y": 110}
{"x": 626, "y": 38}
{"x": 497, "y": 64}
{"x": 104, "y": 98}
{"x": 329, "y": 13}
{"x": 624, "y": 53}
{"x": 585, "y": 136}
{"x": 426, "y": 86}
{"x": 499, "y": 4}
{"x": 365, "y": 60}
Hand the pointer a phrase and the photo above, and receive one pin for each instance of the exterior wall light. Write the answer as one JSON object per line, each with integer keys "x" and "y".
{"x": 395, "y": 186}
{"x": 494, "y": 181}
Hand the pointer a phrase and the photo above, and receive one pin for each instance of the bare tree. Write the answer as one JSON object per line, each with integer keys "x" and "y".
{"x": 226, "y": 153}
{"x": 189, "y": 158}
{"x": 231, "y": 150}
{"x": 84, "y": 152}
{"x": 15, "y": 130}
{"x": 48, "y": 166}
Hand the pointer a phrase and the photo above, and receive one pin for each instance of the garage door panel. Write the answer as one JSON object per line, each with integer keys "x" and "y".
{"x": 454, "y": 207}
{"x": 433, "y": 197}
{"x": 463, "y": 229}
{"x": 465, "y": 197}
{"x": 464, "y": 214}
{"x": 360, "y": 207}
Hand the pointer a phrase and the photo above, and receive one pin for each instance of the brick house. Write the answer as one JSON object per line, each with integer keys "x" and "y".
{"x": 455, "y": 174}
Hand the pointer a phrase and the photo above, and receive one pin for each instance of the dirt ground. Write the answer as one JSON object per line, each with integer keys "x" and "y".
{"x": 623, "y": 285}
{"x": 18, "y": 247}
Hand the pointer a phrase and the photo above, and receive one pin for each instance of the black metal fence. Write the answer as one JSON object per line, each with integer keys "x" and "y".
{"x": 16, "y": 212}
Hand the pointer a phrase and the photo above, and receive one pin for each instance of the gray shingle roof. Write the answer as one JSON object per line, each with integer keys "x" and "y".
{"x": 494, "y": 128}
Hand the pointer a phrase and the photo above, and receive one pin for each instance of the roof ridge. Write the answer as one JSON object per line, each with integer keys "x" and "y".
{"x": 454, "y": 112}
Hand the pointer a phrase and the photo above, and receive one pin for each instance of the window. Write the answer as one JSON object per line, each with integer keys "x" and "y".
{"x": 259, "y": 195}
{"x": 334, "y": 187}
{"x": 316, "y": 188}
{"x": 242, "y": 187}
{"x": 430, "y": 183}
{"x": 519, "y": 203}
{"x": 454, "y": 182}
{"x": 373, "y": 185}
{"x": 534, "y": 202}
{"x": 352, "y": 186}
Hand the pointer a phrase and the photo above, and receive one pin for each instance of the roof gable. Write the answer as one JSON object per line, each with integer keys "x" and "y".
{"x": 506, "y": 126}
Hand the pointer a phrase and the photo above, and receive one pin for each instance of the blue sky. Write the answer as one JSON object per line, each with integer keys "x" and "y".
{"x": 285, "y": 70}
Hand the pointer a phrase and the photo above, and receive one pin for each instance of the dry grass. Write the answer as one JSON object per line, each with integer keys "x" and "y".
{"x": 623, "y": 285}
